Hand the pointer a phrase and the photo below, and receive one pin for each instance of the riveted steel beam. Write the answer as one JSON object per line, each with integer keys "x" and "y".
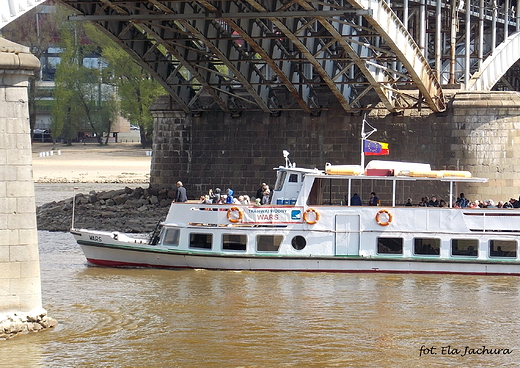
{"x": 384, "y": 20}
{"x": 496, "y": 65}
{"x": 337, "y": 37}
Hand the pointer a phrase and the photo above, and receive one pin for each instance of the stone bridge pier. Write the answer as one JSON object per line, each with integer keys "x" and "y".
{"x": 20, "y": 288}
{"x": 479, "y": 132}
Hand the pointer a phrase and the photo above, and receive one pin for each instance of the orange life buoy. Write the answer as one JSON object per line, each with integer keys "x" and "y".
{"x": 306, "y": 216}
{"x": 387, "y": 222}
{"x": 234, "y": 214}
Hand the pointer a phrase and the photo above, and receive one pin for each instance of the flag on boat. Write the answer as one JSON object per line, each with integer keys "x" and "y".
{"x": 372, "y": 148}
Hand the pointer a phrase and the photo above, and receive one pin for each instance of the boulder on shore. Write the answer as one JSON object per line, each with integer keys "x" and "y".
{"x": 127, "y": 210}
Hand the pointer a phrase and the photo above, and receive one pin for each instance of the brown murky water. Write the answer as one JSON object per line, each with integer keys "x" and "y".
{"x": 162, "y": 318}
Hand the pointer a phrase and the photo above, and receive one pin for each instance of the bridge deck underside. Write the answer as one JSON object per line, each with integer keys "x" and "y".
{"x": 271, "y": 56}
{"x": 282, "y": 55}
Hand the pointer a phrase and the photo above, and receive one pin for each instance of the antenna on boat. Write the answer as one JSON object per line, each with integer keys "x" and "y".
{"x": 363, "y": 137}
{"x": 286, "y": 156}
{"x": 73, "y": 206}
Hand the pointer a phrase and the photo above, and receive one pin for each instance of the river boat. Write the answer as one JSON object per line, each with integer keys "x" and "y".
{"x": 300, "y": 231}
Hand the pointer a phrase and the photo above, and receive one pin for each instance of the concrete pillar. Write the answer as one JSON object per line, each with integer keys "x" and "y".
{"x": 20, "y": 287}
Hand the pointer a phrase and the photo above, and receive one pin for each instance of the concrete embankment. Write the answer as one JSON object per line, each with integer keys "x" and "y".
{"x": 128, "y": 210}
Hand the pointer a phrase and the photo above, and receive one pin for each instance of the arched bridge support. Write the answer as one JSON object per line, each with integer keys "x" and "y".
{"x": 496, "y": 65}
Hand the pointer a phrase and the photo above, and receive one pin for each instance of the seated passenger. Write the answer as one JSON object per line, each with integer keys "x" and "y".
{"x": 373, "y": 201}
{"x": 433, "y": 202}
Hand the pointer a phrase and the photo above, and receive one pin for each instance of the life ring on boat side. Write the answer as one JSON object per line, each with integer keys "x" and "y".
{"x": 387, "y": 222}
{"x": 235, "y": 214}
{"x": 308, "y": 220}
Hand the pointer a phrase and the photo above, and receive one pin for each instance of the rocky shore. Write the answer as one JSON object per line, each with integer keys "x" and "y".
{"x": 15, "y": 324}
{"x": 127, "y": 210}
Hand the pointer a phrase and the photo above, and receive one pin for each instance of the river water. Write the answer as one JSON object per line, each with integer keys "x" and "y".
{"x": 195, "y": 318}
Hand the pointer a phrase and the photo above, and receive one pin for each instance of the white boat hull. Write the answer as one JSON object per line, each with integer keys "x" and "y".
{"x": 104, "y": 252}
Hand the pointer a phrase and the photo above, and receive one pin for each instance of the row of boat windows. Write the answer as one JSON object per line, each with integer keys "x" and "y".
{"x": 459, "y": 247}
{"x": 271, "y": 243}
{"x": 235, "y": 242}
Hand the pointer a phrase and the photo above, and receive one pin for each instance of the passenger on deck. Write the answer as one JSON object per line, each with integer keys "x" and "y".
{"x": 475, "y": 204}
{"x": 373, "y": 201}
{"x": 243, "y": 199}
{"x": 229, "y": 197}
{"x": 433, "y": 202}
{"x": 442, "y": 203}
{"x": 409, "y": 202}
{"x": 266, "y": 195}
{"x": 215, "y": 196}
{"x": 462, "y": 201}
{"x": 424, "y": 202}
{"x": 489, "y": 204}
{"x": 181, "y": 193}
{"x": 356, "y": 200}
{"x": 260, "y": 191}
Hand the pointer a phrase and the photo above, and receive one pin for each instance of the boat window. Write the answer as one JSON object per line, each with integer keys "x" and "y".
{"x": 268, "y": 243}
{"x": 280, "y": 179}
{"x": 390, "y": 245}
{"x": 427, "y": 246}
{"x": 298, "y": 242}
{"x": 316, "y": 194}
{"x": 234, "y": 242}
{"x": 202, "y": 241}
{"x": 502, "y": 248}
{"x": 464, "y": 247}
{"x": 293, "y": 178}
{"x": 171, "y": 237}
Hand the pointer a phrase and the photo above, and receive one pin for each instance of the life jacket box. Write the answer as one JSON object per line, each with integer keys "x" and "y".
{"x": 379, "y": 172}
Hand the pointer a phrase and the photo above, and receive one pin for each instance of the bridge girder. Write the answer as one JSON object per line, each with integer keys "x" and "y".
{"x": 282, "y": 55}
{"x": 496, "y": 65}
{"x": 273, "y": 55}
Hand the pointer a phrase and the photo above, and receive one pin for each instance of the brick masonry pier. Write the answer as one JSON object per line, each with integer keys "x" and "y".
{"x": 479, "y": 132}
{"x": 20, "y": 289}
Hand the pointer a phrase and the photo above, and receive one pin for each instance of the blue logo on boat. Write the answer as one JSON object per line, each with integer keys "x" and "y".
{"x": 296, "y": 215}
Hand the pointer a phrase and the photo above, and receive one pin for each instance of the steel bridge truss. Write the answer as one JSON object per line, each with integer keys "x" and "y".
{"x": 272, "y": 55}
{"x": 285, "y": 55}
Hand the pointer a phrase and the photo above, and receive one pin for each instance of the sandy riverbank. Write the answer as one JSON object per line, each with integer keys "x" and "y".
{"x": 91, "y": 163}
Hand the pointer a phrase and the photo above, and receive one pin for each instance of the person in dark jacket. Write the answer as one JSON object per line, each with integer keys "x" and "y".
{"x": 462, "y": 201}
{"x": 433, "y": 202}
{"x": 373, "y": 201}
{"x": 181, "y": 193}
{"x": 356, "y": 200}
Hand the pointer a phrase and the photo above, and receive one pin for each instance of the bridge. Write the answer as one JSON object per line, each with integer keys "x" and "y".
{"x": 309, "y": 56}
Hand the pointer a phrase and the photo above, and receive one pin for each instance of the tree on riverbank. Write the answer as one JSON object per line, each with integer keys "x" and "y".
{"x": 137, "y": 90}
{"x": 82, "y": 101}
{"x": 85, "y": 98}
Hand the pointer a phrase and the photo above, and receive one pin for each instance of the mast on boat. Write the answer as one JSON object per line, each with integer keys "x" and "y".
{"x": 364, "y": 136}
